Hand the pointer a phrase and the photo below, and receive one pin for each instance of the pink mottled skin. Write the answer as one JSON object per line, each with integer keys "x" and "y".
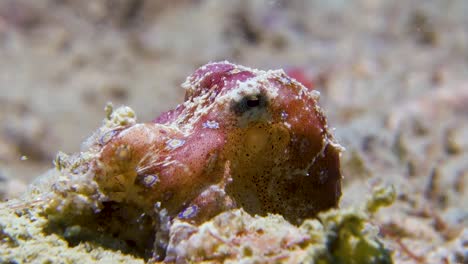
{"x": 242, "y": 138}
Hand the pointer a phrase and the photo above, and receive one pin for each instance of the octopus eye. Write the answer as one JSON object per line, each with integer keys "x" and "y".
{"x": 249, "y": 102}
{"x": 253, "y": 101}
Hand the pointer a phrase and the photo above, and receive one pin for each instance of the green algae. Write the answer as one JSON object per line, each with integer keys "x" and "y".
{"x": 348, "y": 235}
{"x": 23, "y": 239}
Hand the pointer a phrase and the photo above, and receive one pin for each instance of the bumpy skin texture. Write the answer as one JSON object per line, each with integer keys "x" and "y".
{"x": 242, "y": 138}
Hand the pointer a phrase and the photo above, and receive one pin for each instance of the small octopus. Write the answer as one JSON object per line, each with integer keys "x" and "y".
{"x": 242, "y": 138}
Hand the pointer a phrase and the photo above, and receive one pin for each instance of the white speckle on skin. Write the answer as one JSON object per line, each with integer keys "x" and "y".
{"x": 174, "y": 143}
{"x": 285, "y": 80}
{"x": 189, "y": 212}
{"x": 150, "y": 180}
{"x": 251, "y": 86}
{"x": 107, "y": 137}
{"x": 211, "y": 124}
{"x": 212, "y": 189}
{"x": 314, "y": 94}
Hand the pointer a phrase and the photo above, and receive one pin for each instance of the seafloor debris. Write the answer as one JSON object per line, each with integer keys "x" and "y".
{"x": 337, "y": 236}
{"x": 243, "y": 138}
{"x": 234, "y": 236}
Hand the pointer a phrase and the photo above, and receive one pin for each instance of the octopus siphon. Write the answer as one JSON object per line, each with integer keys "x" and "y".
{"x": 242, "y": 138}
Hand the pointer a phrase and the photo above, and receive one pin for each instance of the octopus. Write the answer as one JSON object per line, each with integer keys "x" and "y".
{"x": 242, "y": 138}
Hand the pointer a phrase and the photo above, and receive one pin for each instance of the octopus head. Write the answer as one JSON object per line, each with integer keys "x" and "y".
{"x": 282, "y": 157}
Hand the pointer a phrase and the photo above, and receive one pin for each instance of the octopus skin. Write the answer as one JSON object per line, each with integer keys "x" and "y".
{"x": 242, "y": 138}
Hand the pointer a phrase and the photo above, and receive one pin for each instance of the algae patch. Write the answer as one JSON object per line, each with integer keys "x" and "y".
{"x": 23, "y": 240}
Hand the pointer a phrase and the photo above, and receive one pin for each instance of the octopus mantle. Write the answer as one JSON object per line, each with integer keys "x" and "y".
{"x": 242, "y": 138}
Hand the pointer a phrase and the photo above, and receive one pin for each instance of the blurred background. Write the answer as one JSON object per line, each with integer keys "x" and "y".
{"x": 393, "y": 77}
